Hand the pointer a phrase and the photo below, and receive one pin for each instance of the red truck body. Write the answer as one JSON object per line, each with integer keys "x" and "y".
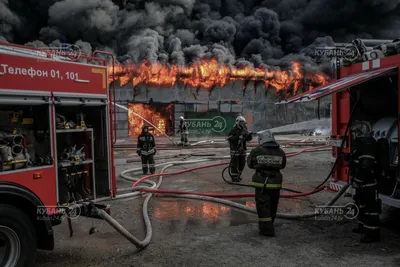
{"x": 26, "y": 72}
{"x": 355, "y": 81}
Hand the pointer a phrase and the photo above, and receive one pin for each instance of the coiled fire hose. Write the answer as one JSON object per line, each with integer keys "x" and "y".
{"x": 146, "y": 241}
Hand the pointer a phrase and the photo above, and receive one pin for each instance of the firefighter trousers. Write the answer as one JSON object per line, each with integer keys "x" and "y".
{"x": 148, "y": 162}
{"x": 184, "y": 139}
{"x": 369, "y": 205}
{"x": 238, "y": 162}
{"x": 267, "y": 201}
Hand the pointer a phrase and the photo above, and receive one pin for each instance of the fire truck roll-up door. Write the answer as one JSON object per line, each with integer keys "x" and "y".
{"x": 85, "y": 117}
{"x": 16, "y": 97}
{"x": 68, "y": 99}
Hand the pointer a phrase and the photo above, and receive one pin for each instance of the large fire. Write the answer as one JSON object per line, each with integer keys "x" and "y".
{"x": 160, "y": 119}
{"x": 208, "y": 73}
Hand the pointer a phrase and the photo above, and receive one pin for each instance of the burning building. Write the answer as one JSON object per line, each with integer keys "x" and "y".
{"x": 160, "y": 118}
{"x": 209, "y": 95}
{"x": 176, "y": 45}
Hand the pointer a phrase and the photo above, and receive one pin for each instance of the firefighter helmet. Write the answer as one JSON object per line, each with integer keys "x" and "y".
{"x": 145, "y": 127}
{"x": 361, "y": 128}
{"x": 182, "y": 118}
{"x": 265, "y": 137}
{"x": 240, "y": 119}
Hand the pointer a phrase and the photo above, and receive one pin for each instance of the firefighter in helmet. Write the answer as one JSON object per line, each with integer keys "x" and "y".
{"x": 362, "y": 164}
{"x": 238, "y": 137}
{"x": 267, "y": 159}
{"x": 183, "y": 129}
{"x": 146, "y": 149}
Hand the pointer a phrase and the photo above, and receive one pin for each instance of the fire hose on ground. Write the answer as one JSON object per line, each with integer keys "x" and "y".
{"x": 189, "y": 195}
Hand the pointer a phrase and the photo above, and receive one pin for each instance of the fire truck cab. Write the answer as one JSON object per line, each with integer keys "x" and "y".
{"x": 366, "y": 88}
{"x": 56, "y": 138}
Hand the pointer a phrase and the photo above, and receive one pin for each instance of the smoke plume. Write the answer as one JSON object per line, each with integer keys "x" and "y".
{"x": 259, "y": 33}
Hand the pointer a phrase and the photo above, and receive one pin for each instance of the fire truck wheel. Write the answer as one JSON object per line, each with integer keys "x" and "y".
{"x": 17, "y": 238}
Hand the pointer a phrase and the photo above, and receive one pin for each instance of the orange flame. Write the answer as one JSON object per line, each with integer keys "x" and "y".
{"x": 159, "y": 120}
{"x": 208, "y": 73}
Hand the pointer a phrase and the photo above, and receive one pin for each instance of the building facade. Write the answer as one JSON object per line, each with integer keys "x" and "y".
{"x": 208, "y": 112}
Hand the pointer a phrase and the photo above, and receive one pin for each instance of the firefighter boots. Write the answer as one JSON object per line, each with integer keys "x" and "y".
{"x": 267, "y": 229}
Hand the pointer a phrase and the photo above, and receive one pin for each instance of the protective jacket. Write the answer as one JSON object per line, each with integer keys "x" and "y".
{"x": 267, "y": 159}
{"x": 183, "y": 127}
{"x": 363, "y": 168}
{"x": 362, "y": 161}
{"x": 233, "y": 138}
{"x": 146, "y": 144}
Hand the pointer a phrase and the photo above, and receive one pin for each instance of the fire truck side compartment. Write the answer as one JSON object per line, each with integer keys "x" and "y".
{"x": 378, "y": 104}
{"x": 377, "y": 99}
{"x": 34, "y": 123}
{"x": 95, "y": 118}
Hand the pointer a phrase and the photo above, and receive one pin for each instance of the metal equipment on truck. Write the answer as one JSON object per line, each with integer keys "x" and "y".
{"x": 55, "y": 145}
{"x": 366, "y": 88}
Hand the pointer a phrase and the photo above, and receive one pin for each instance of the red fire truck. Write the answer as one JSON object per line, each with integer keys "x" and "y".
{"x": 56, "y": 142}
{"x": 366, "y": 88}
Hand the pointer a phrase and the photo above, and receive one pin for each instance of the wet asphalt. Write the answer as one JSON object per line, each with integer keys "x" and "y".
{"x": 199, "y": 233}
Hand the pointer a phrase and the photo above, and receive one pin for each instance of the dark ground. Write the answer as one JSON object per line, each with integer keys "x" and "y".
{"x": 196, "y": 233}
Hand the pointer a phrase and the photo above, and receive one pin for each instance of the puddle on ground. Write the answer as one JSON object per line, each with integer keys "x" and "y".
{"x": 199, "y": 213}
{"x": 181, "y": 214}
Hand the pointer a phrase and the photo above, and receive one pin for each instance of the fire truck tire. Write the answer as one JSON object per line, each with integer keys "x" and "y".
{"x": 17, "y": 227}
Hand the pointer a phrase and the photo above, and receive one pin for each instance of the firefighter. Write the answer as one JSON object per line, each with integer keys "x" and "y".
{"x": 362, "y": 164}
{"x": 146, "y": 149}
{"x": 238, "y": 137}
{"x": 267, "y": 159}
{"x": 183, "y": 129}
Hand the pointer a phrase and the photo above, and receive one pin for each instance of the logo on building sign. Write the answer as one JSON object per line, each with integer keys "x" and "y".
{"x": 217, "y": 124}
{"x": 349, "y": 52}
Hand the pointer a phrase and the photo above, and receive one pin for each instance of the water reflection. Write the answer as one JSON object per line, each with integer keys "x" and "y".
{"x": 196, "y": 213}
{"x": 180, "y": 215}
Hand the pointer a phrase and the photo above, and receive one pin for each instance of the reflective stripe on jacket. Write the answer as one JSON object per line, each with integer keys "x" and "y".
{"x": 146, "y": 144}
{"x": 267, "y": 160}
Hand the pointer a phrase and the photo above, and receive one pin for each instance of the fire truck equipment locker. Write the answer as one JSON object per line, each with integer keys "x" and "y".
{"x": 80, "y": 116}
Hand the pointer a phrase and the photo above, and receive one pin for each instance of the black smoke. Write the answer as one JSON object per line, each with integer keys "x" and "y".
{"x": 262, "y": 33}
